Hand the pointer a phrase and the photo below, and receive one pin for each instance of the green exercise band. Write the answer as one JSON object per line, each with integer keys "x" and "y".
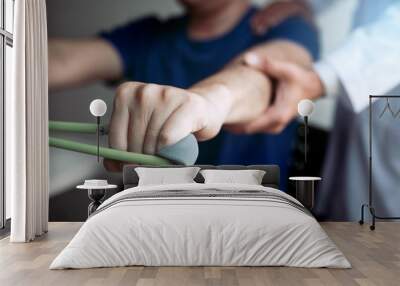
{"x": 108, "y": 153}
{"x": 77, "y": 127}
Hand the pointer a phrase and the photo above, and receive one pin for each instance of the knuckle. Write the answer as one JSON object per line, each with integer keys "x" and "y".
{"x": 164, "y": 139}
{"x": 173, "y": 97}
{"x": 170, "y": 94}
{"x": 146, "y": 94}
{"x": 126, "y": 88}
{"x": 149, "y": 90}
{"x": 140, "y": 96}
{"x": 165, "y": 95}
{"x": 124, "y": 92}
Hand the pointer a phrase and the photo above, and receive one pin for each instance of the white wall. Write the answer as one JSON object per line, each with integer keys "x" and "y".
{"x": 82, "y": 18}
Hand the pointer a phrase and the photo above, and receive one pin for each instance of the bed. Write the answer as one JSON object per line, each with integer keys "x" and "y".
{"x": 199, "y": 224}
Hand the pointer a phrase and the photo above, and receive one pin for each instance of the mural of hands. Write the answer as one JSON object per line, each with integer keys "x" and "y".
{"x": 293, "y": 83}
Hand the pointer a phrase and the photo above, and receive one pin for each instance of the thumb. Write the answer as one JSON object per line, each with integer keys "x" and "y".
{"x": 278, "y": 69}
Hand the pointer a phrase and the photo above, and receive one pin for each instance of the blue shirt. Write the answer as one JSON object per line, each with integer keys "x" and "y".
{"x": 161, "y": 52}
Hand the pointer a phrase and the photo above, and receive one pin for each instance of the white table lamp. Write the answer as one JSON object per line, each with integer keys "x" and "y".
{"x": 305, "y": 108}
{"x": 98, "y": 108}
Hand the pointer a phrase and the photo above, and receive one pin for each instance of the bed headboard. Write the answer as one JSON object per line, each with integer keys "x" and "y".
{"x": 271, "y": 177}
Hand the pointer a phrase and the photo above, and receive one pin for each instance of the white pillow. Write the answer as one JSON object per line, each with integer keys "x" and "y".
{"x": 162, "y": 176}
{"x": 248, "y": 177}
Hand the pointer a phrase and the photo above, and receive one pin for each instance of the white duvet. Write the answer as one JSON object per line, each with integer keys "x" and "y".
{"x": 183, "y": 231}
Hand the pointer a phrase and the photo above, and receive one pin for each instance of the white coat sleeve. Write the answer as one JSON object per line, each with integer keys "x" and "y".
{"x": 369, "y": 61}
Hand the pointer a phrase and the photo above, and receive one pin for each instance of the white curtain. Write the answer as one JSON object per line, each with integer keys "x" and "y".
{"x": 27, "y": 124}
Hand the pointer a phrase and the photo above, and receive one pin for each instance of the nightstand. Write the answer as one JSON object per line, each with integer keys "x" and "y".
{"x": 96, "y": 193}
{"x": 305, "y": 190}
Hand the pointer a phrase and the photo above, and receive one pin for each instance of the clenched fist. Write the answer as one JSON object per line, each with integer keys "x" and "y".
{"x": 147, "y": 117}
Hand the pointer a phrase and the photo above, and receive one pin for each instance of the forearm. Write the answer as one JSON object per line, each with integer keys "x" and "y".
{"x": 82, "y": 61}
{"x": 242, "y": 93}
{"x": 238, "y": 93}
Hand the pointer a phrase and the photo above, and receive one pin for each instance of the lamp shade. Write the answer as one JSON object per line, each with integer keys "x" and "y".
{"x": 98, "y": 107}
{"x": 305, "y": 107}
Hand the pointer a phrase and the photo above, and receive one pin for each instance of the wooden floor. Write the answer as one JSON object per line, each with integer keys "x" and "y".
{"x": 375, "y": 257}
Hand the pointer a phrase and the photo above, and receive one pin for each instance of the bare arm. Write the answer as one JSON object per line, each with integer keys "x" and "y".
{"x": 249, "y": 90}
{"x": 74, "y": 62}
{"x": 160, "y": 115}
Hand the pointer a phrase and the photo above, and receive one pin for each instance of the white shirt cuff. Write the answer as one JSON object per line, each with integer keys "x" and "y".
{"x": 329, "y": 79}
